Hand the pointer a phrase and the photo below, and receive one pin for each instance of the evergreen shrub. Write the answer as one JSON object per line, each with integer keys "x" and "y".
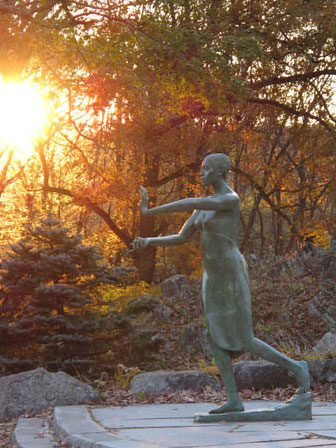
{"x": 50, "y": 285}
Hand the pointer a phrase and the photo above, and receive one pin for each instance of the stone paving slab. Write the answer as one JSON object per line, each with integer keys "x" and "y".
{"x": 172, "y": 426}
{"x": 331, "y": 433}
{"x": 324, "y": 409}
{"x": 74, "y": 425}
{"x": 33, "y": 433}
{"x": 172, "y": 415}
{"x": 201, "y": 437}
{"x": 132, "y": 415}
{"x": 317, "y": 424}
{"x": 286, "y": 444}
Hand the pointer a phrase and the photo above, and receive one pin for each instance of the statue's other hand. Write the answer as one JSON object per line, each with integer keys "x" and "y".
{"x": 139, "y": 244}
{"x": 144, "y": 200}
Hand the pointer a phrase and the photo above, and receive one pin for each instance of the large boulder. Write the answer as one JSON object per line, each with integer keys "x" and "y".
{"x": 263, "y": 374}
{"x": 326, "y": 346}
{"x": 319, "y": 370}
{"x": 322, "y": 370}
{"x": 260, "y": 374}
{"x": 249, "y": 375}
{"x": 36, "y": 390}
{"x": 165, "y": 382}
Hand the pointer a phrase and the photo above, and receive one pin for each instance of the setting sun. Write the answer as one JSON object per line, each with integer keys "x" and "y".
{"x": 22, "y": 115}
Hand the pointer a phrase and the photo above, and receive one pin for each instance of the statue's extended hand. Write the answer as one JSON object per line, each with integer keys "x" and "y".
{"x": 144, "y": 200}
{"x": 139, "y": 244}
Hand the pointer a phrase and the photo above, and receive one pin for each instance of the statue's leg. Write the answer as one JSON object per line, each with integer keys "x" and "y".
{"x": 223, "y": 361}
{"x": 298, "y": 368}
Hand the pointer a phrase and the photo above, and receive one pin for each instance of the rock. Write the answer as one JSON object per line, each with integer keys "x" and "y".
{"x": 249, "y": 375}
{"x": 259, "y": 374}
{"x": 330, "y": 272}
{"x": 175, "y": 286}
{"x": 193, "y": 339}
{"x": 331, "y": 373}
{"x": 330, "y": 317}
{"x": 251, "y": 258}
{"x": 165, "y": 382}
{"x": 331, "y": 377}
{"x": 323, "y": 306}
{"x": 318, "y": 370}
{"x": 294, "y": 266}
{"x": 310, "y": 259}
{"x": 163, "y": 312}
{"x": 144, "y": 345}
{"x": 326, "y": 346}
{"x": 145, "y": 303}
{"x": 252, "y": 262}
{"x": 37, "y": 390}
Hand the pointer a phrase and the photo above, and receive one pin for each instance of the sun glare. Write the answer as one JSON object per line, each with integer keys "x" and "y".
{"x": 22, "y": 115}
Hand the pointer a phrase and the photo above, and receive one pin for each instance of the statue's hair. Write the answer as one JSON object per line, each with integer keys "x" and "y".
{"x": 219, "y": 160}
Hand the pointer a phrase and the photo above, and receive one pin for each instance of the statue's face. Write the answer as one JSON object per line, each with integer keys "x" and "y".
{"x": 209, "y": 173}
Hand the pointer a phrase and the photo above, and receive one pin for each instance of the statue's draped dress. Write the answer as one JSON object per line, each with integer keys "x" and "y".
{"x": 225, "y": 289}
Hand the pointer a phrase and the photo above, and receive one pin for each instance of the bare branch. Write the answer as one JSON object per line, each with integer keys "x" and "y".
{"x": 266, "y": 197}
{"x": 276, "y": 80}
{"x": 292, "y": 111}
{"x": 177, "y": 173}
{"x": 96, "y": 209}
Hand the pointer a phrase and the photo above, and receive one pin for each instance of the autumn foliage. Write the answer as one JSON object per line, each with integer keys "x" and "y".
{"x": 140, "y": 92}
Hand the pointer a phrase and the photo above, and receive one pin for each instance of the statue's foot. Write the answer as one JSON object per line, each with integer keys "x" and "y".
{"x": 303, "y": 377}
{"x": 229, "y": 406}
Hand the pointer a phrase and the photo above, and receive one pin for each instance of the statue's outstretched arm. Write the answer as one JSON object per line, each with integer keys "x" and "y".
{"x": 171, "y": 240}
{"x": 223, "y": 202}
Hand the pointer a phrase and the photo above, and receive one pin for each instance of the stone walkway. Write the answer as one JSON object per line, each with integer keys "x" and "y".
{"x": 172, "y": 426}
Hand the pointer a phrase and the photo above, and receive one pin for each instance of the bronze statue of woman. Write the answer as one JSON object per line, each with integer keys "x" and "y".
{"x": 225, "y": 287}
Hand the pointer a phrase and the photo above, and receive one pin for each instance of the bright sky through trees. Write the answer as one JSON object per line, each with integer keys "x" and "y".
{"x": 22, "y": 116}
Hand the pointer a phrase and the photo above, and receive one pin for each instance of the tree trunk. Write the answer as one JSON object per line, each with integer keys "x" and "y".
{"x": 146, "y": 260}
{"x": 279, "y": 224}
{"x": 262, "y": 234}
{"x": 145, "y": 263}
{"x": 246, "y": 244}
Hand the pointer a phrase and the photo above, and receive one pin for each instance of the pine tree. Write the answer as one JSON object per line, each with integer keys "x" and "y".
{"x": 49, "y": 283}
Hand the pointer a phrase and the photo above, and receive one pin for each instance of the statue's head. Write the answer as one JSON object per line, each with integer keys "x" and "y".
{"x": 214, "y": 165}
